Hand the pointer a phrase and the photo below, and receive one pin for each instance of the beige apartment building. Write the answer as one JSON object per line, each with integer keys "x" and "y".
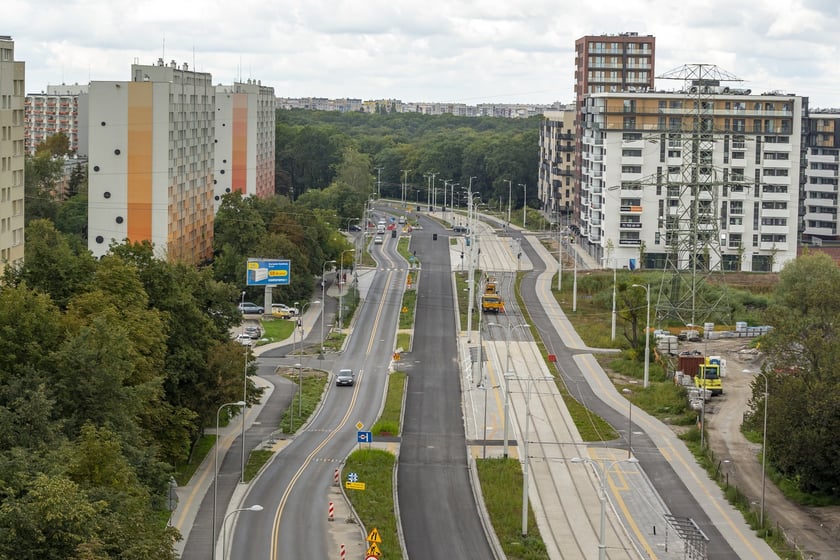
{"x": 11, "y": 154}
{"x": 63, "y": 108}
{"x": 557, "y": 164}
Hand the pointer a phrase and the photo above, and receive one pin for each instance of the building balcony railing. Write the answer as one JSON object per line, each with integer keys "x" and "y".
{"x": 631, "y": 209}
{"x": 630, "y": 225}
{"x": 629, "y": 241}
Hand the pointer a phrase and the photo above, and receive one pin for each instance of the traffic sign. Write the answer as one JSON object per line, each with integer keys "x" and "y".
{"x": 354, "y": 485}
{"x": 374, "y": 536}
{"x": 373, "y": 550}
{"x": 364, "y": 437}
{"x": 359, "y": 425}
{"x": 371, "y": 558}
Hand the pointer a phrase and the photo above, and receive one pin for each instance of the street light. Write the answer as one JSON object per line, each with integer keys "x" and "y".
{"x": 340, "y": 291}
{"x": 764, "y": 446}
{"x": 525, "y": 451}
{"x": 255, "y": 507}
{"x": 510, "y": 191}
{"x": 323, "y": 298}
{"x": 524, "y": 203}
{"x": 348, "y": 220}
{"x": 301, "y": 310}
{"x": 509, "y": 328}
{"x": 603, "y": 471}
{"x": 216, "y": 467}
{"x": 647, "y": 334}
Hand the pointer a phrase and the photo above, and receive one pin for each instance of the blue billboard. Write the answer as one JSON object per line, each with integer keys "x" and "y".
{"x": 268, "y": 272}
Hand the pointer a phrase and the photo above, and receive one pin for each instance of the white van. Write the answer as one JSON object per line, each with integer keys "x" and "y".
{"x": 402, "y": 220}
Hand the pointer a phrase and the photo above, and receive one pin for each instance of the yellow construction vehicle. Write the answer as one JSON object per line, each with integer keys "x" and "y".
{"x": 491, "y": 301}
{"x": 709, "y": 375}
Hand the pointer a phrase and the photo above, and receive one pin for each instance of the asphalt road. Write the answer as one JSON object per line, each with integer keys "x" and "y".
{"x": 438, "y": 511}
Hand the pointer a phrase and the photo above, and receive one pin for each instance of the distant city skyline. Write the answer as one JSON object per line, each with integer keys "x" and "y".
{"x": 460, "y": 52}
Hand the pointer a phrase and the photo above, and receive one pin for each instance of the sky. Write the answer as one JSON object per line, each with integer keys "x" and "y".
{"x": 464, "y": 51}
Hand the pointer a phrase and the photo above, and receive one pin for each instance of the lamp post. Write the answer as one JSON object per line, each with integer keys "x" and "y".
{"x": 612, "y": 326}
{"x": 647, "y": 333}
{"x": 379, "y": 181}
{"x": 509, "y": 328}
{"x": 764, "y": 447}
{"x": 302, "y": 309}
{"x": 574, "y": 281}
{"x": 530, "y": 381}
{"x": 524, "y": 203}
{"x": 216, "y": 466}
{"x": 510, "y": 192}
{"x": 255, "y": 507}
{"x": 340, "y": 291}
{"x": 603, "y": 471}
{"x": 323, "y": 298}
{"x": 348, "y": 220}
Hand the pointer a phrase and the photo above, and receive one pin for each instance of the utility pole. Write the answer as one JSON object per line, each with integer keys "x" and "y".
{"x": 405, "y": 173}
{"x": 524, "y": 203}
{"x": 379, "y": 181}
{"x": 510, "y": 192}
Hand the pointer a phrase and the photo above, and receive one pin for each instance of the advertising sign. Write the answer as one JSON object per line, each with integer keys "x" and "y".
{"x": 268, "y": 272}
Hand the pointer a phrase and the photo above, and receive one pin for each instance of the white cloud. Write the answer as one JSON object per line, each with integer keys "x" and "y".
{"x": 461, "y": 50}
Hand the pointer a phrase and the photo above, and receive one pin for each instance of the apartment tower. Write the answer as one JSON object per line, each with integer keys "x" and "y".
{"x": 151, "y": 162}
{"x": 557, "y": 163}
{"x": 11, "y": 154}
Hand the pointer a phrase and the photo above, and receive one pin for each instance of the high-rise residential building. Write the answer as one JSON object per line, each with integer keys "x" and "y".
{"x": 11, "y": 154}
{"x": 557, "y": 163}
{"x": 62, "y": 108}
{"x": 822, "y": 176}
{"x": 150, "y": 170}
{"x": 722, "y": 165}
{"x": 609, "y": 64}
{"x": 244, "y": 148}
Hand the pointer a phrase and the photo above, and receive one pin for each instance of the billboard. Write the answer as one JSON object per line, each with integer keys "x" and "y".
{"x": 268, "y": 272}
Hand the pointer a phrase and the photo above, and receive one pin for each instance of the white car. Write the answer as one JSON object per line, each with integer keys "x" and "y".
{"x": 245, "y": 339}
{"x": 280, "y": 309}
{"x": 378, "y": 240}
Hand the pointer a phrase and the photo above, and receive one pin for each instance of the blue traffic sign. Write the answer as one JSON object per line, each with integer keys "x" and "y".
{"x": 364, "y": 437}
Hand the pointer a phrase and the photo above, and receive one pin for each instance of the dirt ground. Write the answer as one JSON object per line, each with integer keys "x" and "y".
{"x": 815, "y": 531}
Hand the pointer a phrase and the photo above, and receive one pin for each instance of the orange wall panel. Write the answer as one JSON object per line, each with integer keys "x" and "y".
{"x": 139, "y": 154}
{"x": 239, "y": 163}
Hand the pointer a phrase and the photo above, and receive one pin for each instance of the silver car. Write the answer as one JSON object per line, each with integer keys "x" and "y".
{"x": 345, "y": 377}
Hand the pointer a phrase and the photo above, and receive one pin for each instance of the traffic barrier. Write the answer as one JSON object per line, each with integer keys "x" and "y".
{"x": 343, "y": 553}
{"x": 331, "y": 514}
{"x": 335, "y": 478}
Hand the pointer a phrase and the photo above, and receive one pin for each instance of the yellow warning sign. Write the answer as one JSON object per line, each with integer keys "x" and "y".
{"x": 354, "y": 485}
{"x": 359, "y": 425}
{"x": 373, "y": 536}
{"x": 405, "y": 308}
{"x": 373, "y": 550}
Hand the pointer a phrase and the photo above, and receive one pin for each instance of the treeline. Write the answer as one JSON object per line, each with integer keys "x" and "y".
{"x": 311, "y": 144}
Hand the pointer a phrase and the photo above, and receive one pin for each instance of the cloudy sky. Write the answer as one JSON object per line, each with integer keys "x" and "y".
{"x": 469, "y": 51}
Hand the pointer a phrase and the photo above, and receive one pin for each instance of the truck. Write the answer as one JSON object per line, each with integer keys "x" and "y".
{"x": 491, "y": 301}
{"x": 710, "y": 375}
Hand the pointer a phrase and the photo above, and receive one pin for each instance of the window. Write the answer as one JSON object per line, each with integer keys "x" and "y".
{"x": 631, "y": 168}
{"x": 631, "y": 153}
{"x": 629, "y": 122}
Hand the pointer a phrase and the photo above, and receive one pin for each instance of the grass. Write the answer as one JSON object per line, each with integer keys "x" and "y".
{"x": 391, "y": 416}
{"x": 184, "y": 472}
{"x": 374, "y": 504}
{"x": 256, "y": 460}
{"x": 463, "y": 293}
{"x": 275, "y": 330}
{"x": 409, "y": 303}
{"x": 313, "y": 387}
{"x": 404, "y": 341}
{"x": 501, "y": 485}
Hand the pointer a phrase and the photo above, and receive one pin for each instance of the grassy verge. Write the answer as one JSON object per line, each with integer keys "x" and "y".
{"x": 389, "y": 422}
{"x": 374, "y": 504}
{"x": 256, "y": 460}
{"x": 409, "y": 302}
{"x": 463, "y": 296}
{"x": 404, "y": 341}
{"x": 275, "y": 330}
{"x": 501, "y": 485}
{"x": 184, "y": 472}
{"x": 302, "y": 408}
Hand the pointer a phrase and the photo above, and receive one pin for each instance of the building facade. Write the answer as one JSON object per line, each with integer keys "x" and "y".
{"x": 150, "y": 170}
{"x": 12, "y": 135}
{"x": 609, "y": 64}
{"x": 57, "y": 110}
{"x": 245, "y": 136}
{"x": 557, "y": 163}
{"x": 722, "y": 166}
{"x": 819, "y": 201}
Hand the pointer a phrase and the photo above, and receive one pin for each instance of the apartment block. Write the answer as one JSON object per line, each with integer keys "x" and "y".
{"x": 557, "y": 163}
{"x": 12, "y": 96}
{"x": 720, "y": 162}
{"x": 819, "y": 201}
{"x": 62, "y": 108}
{"x": 610, "y": 63}
{"x": 244, "y": 147}
{"x": 151, "y": 162}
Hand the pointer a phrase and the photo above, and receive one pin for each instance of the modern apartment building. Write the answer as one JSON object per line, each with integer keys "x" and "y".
{"x": 151, "y": 162}
{"x": 244, "y": 147}
{"x": 62, "y": 108}
{"x": 557, "y": 163}
{"x": 610, "y": 64}
{"x": 11, "y": 154}
{"x": 819, "y": 201}
{"x": 648, "y": 179}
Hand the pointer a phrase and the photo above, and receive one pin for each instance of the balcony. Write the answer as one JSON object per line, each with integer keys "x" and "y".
{"x": 631, "y": 209}
{"x": 630, "y": 225}
{"x": 629, "y": 241}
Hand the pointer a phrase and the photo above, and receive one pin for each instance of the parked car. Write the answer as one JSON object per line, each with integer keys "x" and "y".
{"x": 253, "y": 331}
{"x": 345, "y": 377}
{"x": 248, "y": 308}
{"x": 292, "y": 311}
{"x": 244, "y": 339}
{"x": 355, "y": 227}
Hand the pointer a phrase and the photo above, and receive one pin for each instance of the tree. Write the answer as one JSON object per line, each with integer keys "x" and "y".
{"x": 55, "y": 146}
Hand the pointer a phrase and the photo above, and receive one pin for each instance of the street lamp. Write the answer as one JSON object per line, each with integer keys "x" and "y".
{"x": 510, "y": 191}
{"x": 764, "y": 446}
{"x": 509, "y": 328}
{"x": 525, "y": 451}
{"x": 647, "y": 334}
{"x": 216, "y": 467}
{"x": 255, "y": 507}
{"x": 323, "y": 298}
{"x": 340, "y": 291}
{"x": 524, "y": 203}
{"x": 348, "y": 220}
{"x": 603, "y": 472}
{"x": 301, "y": 310}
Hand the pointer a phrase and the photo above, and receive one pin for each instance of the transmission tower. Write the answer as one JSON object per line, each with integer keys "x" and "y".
{"x": 692, "y": 212}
